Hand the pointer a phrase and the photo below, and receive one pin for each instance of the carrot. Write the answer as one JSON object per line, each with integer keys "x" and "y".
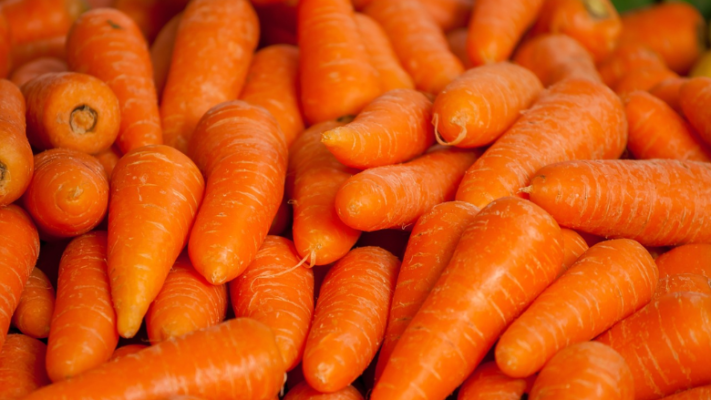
{"x": 690, "y": 258}
{"x": 588, "y": 370}
{"x": 418, "y": 42}
{"x": 626, "y": 59}
{"x": 481, "y": 104}
{"x": 155, "y": 194}
{"x": 34, "y": 311}
{"x": 449, "y": 14}
{"x": 694, "y": 98}
{"x": 352, "y": 308}
{"x": 554, "y": 57}
{"x": 395, "y": 196}
{"x": 573, "y": 247}
{"x": 642, "y": 79}
{"x": 16, "y": 161}
{"x": 83, "y": 331}
{"x": 457, "y": 40}
{"x": 117, "y": 54}
{"x": 303, "y": 391}
{"x": 495, "y": 28}
{"x": 35, "y": 68}
{"x": 574, "y": 119}
{"x": 669, "y": 91}
{"x": 150, "y": 15}
{"x": 127, "y": 350}
{"x": 108, "y": 159}
{"x": 5, "y": 47}
{"x": 278, "y": 292}
{"x": 683, "y": 283}
{"x": 21, "y": 366}
{"x": 272, "y": 83}
{"x": 243, "y": 154}
{"x": 666, "y": 344}
{"x": 235, "y": 359}
{"x": 382, "y": 55}
{"x": 489, "y": 382}
{"x": 32, "y": 20}
{"x": 162, "y": 52}
{"x": 656, "y": 202}
{"x": 698, "y": 393}
{"x": 21, "y": 54}
{"x": 432, "y": 242}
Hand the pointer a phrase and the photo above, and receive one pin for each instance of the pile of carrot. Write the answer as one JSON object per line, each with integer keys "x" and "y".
{"x": 354, "y": 199}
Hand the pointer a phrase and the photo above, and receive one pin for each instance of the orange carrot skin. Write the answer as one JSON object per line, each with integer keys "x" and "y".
{"x": 642, "y": 79}
{"x": 573, "y": 247}
{"x": 185, "y": 303}
{"x": 552, "y": 130}
{"x": 240, "y": 353}
{"x": 395, "y": 196}
{"x": 431, "y": 245}
{"x": 669, "y": 91}
{"x": 457, "y": 40}
{"x": 32, "y": 20}
{"x": 690, "y": 258}
{"x": 127, "y": 350}
{"x": 353, "y": 307}
{"x": 699, "y": 393}
{"x": 5, "y": 47}
{"x": 16, "y": 160}
{"x": 34, "y": 311}
{"x": 392, "y": 129}
{"x": 274, "y": 292}
{"x": 150, "y": 15}
{"x": 488, "y": 382}
{"x": 51, "y": 47}
{"x": 479, "y": 293}
{"x": 678, "y": 215}
{"x": 481, "y": 104}
{"x": 108, "y": 159}
{"x": 694, "y": 98}
{"x": 83, "y": 332}
{"x": 118, "y": 54}
{"x": 162, "y": 53}
{"x": 302, "y": 391}
{"x": 683, "y": 283}
{"x": 35, "y": 68}
{"x": 449, "y": 14}
{"x": 21, "y": 366}
{"x": 627, "y": 58}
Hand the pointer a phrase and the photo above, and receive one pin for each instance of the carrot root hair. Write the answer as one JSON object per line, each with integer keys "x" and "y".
{"x": 461, "y": 136}
{"x": 299, "y": 264}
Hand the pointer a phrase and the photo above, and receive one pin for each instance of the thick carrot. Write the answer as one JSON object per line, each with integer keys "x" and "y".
{"x": 418, "y": 42}
{"x": 642, "y": 79}
{"x": 627, "y": 58}
{"x": 395, "y": 196}
{"x": 162, "y": 53}
{"x": 669, "y": 91}
{"x": 352, "y": 308}
{"x": 235, "y": 359}
{"x": 573, "y": 247}
{"x": 457, "y": 40}
{"x": 303, "y": 391}
{"x": 83, "y": 332}
{"x": 127, "y": 350}
{"x": 21, "y": 366}
{"x": 667, "y": 344}
{"x": 449, "y": 14}
{"x": 21, "y": 54}
{"x": 699, "y": 393}
{"x": 185, "y": 303}
{"x": 574, "y": 119}
{"x": 5, "y": 47}
{"x": 108, "y": 159}
{"x": 431, "y": 245}
{"x": 273, "y": 83}
{"x": 554, "y": 57}
{"x": 34, "y": 311}
{"x": 243, "y": 154}
{"x": 35, "y": 68}
{"x": 16, "y": 160}
{"x": 690, "y": 258}
{"x": 107, "y": 44}
{"x": 656, "y": 202}
{"x": 150, "y": 15}
{"x": 32, "y": 20}
{"x": 683, "y": 283}
{"x": 694, "y": 98}
{"x": 488, "y": 382}
{"x": 278, "y": 292}
{"x": 155, "y": 194}
{"x": 481, "y": 104}
{"x": 588, "y": 370}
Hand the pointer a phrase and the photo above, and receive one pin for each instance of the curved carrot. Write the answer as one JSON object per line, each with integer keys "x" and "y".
{"x": 698, "y": 393}
{"x": 690, "y": 258}
{"x": 669, "y": 91}
{"x": 432, "y": 242}
{"x": 16, "y": 160}
{"x": 418, "y": 42}
{"x": 574, "y": 119}
{"x": 108, "y": 159}
{"x": 162, "y": 53}
{"x": 489, "y": 382}
{"x": 185, "y": 303}
{"x": 683, "y": 283}
{"x": 394, "y": 196}
{"x": 5, "y": 47}
{"x": 83, "y": 332}
{"x": 656, "y": 202}
{"x": 21, "y": 54}
{"x": 642, "y": 79}
{"x": 107, "y": 44}
{"x": 627, "y": 58}
{"x": 694, "y": 98}
{"x": 277, "y": 291}
{"x": 32, "y": 20}
{"x": 235, "y": 359}
{"x": 449, "y": 14}
{"x": 303, "y": 391}
{"x": 21, "y": 366}
{"x": 481, "y": 104}
{"x": 155, "y": 194}
{"x": 245, "y": 162}
{"x": 34, "y": 311}
{"x": 588, "y": 370}
{"x": 150, "y": 15}
{"x": 127, "y": 350}
{"x": 457, "y": 40}
{"x": 35, "y": 68}
{"x": 573, "y": 247}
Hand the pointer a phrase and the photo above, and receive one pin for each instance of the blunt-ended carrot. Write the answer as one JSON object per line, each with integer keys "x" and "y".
{"x": 35, "y": 68}
{"x": 32, "y": 20}
{"x": 21, "y": 54}
{"x": 16, "y": 160}
{"x": 488, "y": 382}
{"x": 573, "y": 247}
{"x": 162, "y": 53}
{"x": 695, "y": 98}
{"x": 656, "y": 202}
{"x": 642, "y": 79}
{"x": 21, "y": 366}
{"x": 669, "y": 91}
{"x": 303, "y": 391}
{"x": 627, "y": 58}
{"x": 699, "y": 393}
{"x": 127, "y": 350}
{"x": 690, "y": 258}
{"x": 457, "y": 40}
{"x": 34, "y": 311}
{"x": 683, "y": 283}
{"x": 108, "y": 159}
{"x": 481, "y": 104}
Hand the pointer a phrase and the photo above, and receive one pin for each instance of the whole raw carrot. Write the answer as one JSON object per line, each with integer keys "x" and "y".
{"x": 34, "y": 311}
{"x": 303, "y": 391}
{"x": 573, "y": 119}
{"x": 127, "y": 350}
{"x": 108, "y": 159}
{"x": 488, "y": 382}
{"x": 395, "y": 196}
{"x": 16, "y": 160}
{"x": 457, "y": 40}
{"x": 683, "y": 283}
{"x": 573, "y": 247}
{"x": 588, "y": 370}
{"x": 150, "y": 15}
{"x": 481, "y": 104}
{"x": 669, "y": 91}
{"x": 432, "y": 242}
{"x": 21, "y": 366}
{"x": 35, "y": 68}
{"x": 162, "y": 53}
{"x": 690, "y": 258}
{"x": 627, "y": 58}
{"x": 642, "y": 79}
{"x": 694, "y": 98}
{"x": 83, "y": 333}
{"x": 52, "y": 47}
{"x": 155, "y": 194}
{"x": 235, "y": 359}
{"x": 185, "y": 303}
{"x": 107, "y": 44}
{"x": 243, "y": 154}
{"x": 656, "y": 202}
{"x": 699, "y": 393}
{"x": 32, "y": 20}
{"x": 5, "y": 47}
{"x": 449, "y": 14}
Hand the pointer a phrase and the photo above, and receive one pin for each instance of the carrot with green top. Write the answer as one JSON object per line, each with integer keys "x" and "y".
{"x": 669, "y": 91}
{"x": 34, "y": 311}
{"x": 626, "y": 59}
{"x": 695, "y": 98}
{"x": 35, "y": 68}
{"x": 32, "y": 20}
{"x": 489, "y": 382}
{"x": 690, "y": 258}
{"x": 642, "y": 79}
{"x": 162, "y": 53}
{"x": 554, "y": 57}
{"x": 16, "y": 159}
{"x": 21, "y": 366}
{"x": 573, "y": 247}
{"x": 449, "y": 14}
{"x": 303, "y": 391}
{"x": 683, "y": 283}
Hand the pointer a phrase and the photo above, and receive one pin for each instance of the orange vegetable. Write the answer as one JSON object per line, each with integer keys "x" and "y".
{"x": 573, "y": 247}
{"x": 35, "y": 68}
{"x": 669, "y": 91}
{"x": 16, "y": 161}
{"x": 642, "y": 79}
{"x": 457, "y": 40}
{"x": 150, "y": 15}
{"x": 449, "y": 14}
{"x": 108, "y": 159}
{"x": 162, "y": 53}
{"x": 554, "y": 57}
{"x": 34, "y": 311}
{"x": 127, "y": 349}
{"x": 626, "y": 59}
{"x": 21, "y": 54}
{"x": 32, "y": 20}
{"x": 695, "y": 98}
{"x": 690, "y": 258}
{"x": 488, "y": 382}
{"x": 303, "y": 391}
{"x": 683, "y": 283}
{"x": 21, "y": 366}
{"x": 698, "y": 393}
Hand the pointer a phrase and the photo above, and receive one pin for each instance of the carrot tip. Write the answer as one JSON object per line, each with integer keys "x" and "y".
{"x": 527, "y": 189}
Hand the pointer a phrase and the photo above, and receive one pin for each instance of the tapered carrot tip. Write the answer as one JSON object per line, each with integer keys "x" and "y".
{"x": 129, "y": 319}
{"x": 214, "y": 265}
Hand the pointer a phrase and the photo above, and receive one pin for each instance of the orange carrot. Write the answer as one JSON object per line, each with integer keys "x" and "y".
{"x": 488, "y": 382}
{"x": 574, "y": 119}
{"x": 690, "y": 258}
{"x": 127, "y": 349}
{"x": 573, "y": 247}
{"x": 107, "y": 44}
{"x": 108, "y": 159}
{"x": 352, "y": 308}
{"x": 669, "y": 91}
{"x": 5, "y": 47}
{"x": 35, "y": 68}
{"x": 83, "y": 332}
{"x": 162, "y": 52}
{"x": 34, "y": 311}
{"x": 628, "y": 58}
{"x": 245, "y": 162}
{"x": 683, "y": 283}
{"x": 150, "y": 15}
{"x": 155, "y": 194}
{"x": 21, "y": 54}
{"x": 694, "y": 98}
{"x": 449, "y": 14}
{"x": 21, "y": 366}
{"x": 699, "y": 393}
{"x": 642, "y": 79}
{"x": 16, "y": 161}
{"x": 395, "y": 196}
{"x": 303, "y": 391}
{"x": 457, "y": 40}
{"x": 481, "y": 104}
{"x": 32, "y": 20}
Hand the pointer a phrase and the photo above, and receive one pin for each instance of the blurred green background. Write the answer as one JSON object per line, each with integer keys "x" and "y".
{"x": 626, "y": 5}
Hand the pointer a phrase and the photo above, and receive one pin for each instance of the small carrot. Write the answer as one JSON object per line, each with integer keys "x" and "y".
{"x": 573, "y": 119}
{"x": 457, "y": 40}
{"x": 669, "y": 91}
{"x": 683, "y": 283}
{"x": 162, "y": 53}
{"x": 155, "y": 194}
{"x": 83, "y": 331}
{"x": 150, "y": 15}
{"x": 108, "y": 159}
{"x": 418, "y": 42}
{"x": 573, "y": 247}
{"x": 5, "y": 47}
{"x": 21, "y": 366}
{"x": 588, "y": 370}
{"x": 699, "y": 393}
{"x": 352, "y": 308}
{"x": 21, "y": 54}
{"x": 656, "y": 202}
{"x": 488, "y": 382}
{"x": 395, "y": 196}
{"x": 32, "y": 20}
{"x": 481, "y": 104}
{"x": 642, "y": 79}
{"x": 690, "y": 258}
{"x": 626, "y": 59}
{"x": 16, "y": 160}
{"x": 127, "y": 350}
{"x": 303, "y": 391}
{"x": 35, "y": 68}
{"x": 449, "y": 14}
{"x": 694, "y": 98}
{"x": 34, "y": 311}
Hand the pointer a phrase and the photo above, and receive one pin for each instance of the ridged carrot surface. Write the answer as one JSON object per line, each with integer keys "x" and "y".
{"x": 695, "y": 98}
{"x": 573, "y": 247}
{"x": 34, "y": 311}
{"x": 685, "y": 282}
{"x": 32, "y": 20}
{"x": 627, "y": 58}
{"x": 488, "y": 382}
{"x": 16, "y": 160}
{"x": 30, "y": 51}
{"x": 127, "y": 350}
{"x": 643, "y": 78}
{"x": 699, "y": 393}
{"x": 21, "y": 366}
{"x": 690, "y": 258}
{"x": 303, "y": 391}
{"x": 35, "y": 68}
{"x": 669, "y": 91}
